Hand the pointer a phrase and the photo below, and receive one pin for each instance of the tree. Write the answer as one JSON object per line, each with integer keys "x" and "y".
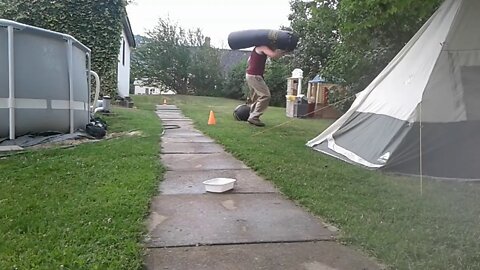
{"x": 316, "y": 24}
{"x": 179, "y": 59}
{"x": 205, "y": 76}
{"x": 276, "y": 74}
{"x": 163, "y": 57}
{"x": 97, "y": 24}
{"x": 371, "y": 33}
{"x": 235, "y": 85}
{"x": 349, "y": 41}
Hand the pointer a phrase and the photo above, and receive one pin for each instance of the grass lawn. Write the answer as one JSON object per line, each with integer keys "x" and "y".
{"x": 384, "y": 215}
{"x": 81, "y": 207}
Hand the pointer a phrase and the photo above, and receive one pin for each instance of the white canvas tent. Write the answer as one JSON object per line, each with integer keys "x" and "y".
{"x": 424, "y": 107}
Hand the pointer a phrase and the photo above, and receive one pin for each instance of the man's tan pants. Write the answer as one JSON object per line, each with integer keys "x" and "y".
{"x": 260, "y": 95}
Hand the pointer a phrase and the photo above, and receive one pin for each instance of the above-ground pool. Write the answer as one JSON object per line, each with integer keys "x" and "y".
{"x": 44, "y": 81}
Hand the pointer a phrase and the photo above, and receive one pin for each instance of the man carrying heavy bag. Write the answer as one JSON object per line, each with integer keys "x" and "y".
{"x": 268, "y": 43}
{"x": 254, "y": 77}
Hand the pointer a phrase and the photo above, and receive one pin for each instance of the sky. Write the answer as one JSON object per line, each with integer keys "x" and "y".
{"x": 216, "y": 18}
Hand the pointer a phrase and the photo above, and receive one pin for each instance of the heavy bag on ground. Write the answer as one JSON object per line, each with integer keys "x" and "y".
{"x": 242, "y": 112}
{"x": 275, "y": 39}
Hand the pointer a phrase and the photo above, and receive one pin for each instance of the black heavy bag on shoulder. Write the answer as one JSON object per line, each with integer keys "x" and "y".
{"x": 275, "y": 39}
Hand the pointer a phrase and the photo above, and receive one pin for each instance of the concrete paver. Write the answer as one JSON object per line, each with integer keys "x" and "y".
{"x": 167, "y": 112}
{"x": 186, "y": 182}
{"x": 167, "y": 107}
{"x": 180, "y": 220}
{"x": 178, "y": 125}
{"x": 172, "y": 117}
{"x": 186, "y": 121}
{"x": 182, "y": 124}
{"x": 198, "y": 139}
{"x": 193, "y": 162}
{"x": 183, "y": 132}
{"x": 190, "y": 148}
{"x": 8, "y": 148}
{"x": 163, "y": 112}
{"x": 322, "y": 255}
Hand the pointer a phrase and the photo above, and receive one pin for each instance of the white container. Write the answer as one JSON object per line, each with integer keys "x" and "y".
{"x": 219, "y": 185}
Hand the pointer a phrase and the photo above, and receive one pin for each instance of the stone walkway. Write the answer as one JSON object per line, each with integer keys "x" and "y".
{"x": 251, "y": 227}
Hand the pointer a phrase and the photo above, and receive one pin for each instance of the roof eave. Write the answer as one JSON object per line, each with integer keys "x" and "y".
{"x": 128, "y": 31}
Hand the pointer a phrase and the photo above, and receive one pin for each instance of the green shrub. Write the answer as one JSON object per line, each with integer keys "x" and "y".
{"x": 97, "y": 24}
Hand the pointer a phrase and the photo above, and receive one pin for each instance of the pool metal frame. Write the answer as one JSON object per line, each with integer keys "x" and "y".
{"x": 70, "y": 41}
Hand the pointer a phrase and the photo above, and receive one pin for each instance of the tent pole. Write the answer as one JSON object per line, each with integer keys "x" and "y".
{"x": 420, "y": 157}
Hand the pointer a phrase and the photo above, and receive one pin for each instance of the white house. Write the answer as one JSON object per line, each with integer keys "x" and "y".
{"x": 127, "y": 43}
{"x": 142, "y": 87}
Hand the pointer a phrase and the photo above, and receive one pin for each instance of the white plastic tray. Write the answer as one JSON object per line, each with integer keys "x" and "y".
{"x": 219, "y": 185}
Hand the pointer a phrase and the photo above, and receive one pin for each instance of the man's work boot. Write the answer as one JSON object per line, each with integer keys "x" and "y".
{"x": 256, "y": 122}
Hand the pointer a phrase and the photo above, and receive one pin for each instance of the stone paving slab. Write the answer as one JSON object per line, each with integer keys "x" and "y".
{"x": 183, "y": 132}
{"x": 196, "y": 139}
{"x": 185, "y": 123}
{"x": 187, "y": 182}
{"x": 172, "y": 117}
{"x": 167, "y": 107}
{"x": 321, "y": 255}
{"x": 8, "y": 148}
{"x": 179, "y": 121}
{"x": 190, "y": 148}
{"x": 171, "y": 128}
{"x": 184, "y": 220}
{"x": 194, "y": 162}
{"x": 166, "y": 112}
{"x": 169, "y": 113}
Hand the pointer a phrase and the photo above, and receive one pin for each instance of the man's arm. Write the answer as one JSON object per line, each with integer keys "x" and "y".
{"x": 269, "y": 52}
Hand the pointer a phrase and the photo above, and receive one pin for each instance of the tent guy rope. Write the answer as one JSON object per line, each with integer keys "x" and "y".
{"x": 289, "y": 121}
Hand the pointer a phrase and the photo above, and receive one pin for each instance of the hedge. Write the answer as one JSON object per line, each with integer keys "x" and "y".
{"x": 97, "y": 24}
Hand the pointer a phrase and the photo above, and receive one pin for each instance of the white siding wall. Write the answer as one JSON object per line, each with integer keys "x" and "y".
{"x": 124, "y": 67}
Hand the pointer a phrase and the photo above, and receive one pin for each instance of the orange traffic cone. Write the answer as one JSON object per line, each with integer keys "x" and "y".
{"x": 164, "y": 101}
{"x": 211, "y": 119}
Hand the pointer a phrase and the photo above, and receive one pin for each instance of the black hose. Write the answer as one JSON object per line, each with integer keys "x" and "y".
{"x": 169, "y": 126}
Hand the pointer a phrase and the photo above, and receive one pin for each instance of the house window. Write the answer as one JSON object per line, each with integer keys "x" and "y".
{"x": 123, "y": 53}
